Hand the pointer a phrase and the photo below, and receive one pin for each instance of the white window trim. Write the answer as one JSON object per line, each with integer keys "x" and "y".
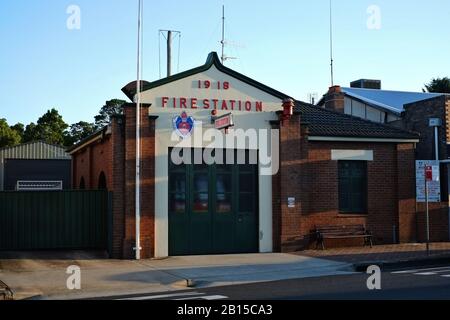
{"x": 39, "y": 185}
{"x": 352, "y": 155}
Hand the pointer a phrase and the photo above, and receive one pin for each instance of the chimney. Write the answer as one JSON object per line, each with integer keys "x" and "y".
{"x": 366, "y": 84}
{"x": 334, "y": 99}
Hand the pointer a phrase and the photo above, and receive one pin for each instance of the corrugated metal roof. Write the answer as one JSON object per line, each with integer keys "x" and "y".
{"x": 31, "y": 150}
{"x": 391, "y": 100}
{"x": 34, "y": 150}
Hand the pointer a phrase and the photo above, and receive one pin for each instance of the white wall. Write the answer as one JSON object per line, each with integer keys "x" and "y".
{"x": 364, "y": 111}
{"x": 373, "y": 114}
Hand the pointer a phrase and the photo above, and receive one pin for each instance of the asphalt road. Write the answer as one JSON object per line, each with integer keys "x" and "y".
{"x": 431, "y": 282}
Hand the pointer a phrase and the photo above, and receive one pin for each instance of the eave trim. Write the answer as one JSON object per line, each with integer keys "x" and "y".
{"x": 213, "y": 60}
{"x": 356, "y": 139}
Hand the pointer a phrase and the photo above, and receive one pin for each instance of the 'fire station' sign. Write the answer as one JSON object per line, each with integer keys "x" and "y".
{"x": 428, "y": 171}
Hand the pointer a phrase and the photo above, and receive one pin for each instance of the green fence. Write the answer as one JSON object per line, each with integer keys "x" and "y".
{"x": 54, "y": 220}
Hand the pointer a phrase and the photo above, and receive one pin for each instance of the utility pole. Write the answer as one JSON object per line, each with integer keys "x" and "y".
{"x": 428, "y": 178}
{"x": 169, "y": 41}
{"x": 169, "y": 53}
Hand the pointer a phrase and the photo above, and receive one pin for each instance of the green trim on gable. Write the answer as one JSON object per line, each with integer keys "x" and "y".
{"x": 213, "y": 60}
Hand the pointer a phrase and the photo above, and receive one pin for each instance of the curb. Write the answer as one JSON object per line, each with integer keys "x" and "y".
{"x": 188, "y": 283}
{"x": 408, "y": 263}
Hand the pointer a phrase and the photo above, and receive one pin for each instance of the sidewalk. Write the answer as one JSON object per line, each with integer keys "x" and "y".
{"x": 43, "y": 275}
{"x": 384, "y": 254}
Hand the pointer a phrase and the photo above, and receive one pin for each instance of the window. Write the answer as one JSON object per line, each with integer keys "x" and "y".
{"x": 352, "y": 186}
{"x": 82, "y": 184}
{"x": 102, "y": 181}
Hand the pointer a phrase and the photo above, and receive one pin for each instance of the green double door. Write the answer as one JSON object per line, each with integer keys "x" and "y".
{"x": 213, "y": 209}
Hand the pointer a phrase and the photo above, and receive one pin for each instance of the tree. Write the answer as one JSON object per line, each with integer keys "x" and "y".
{"x": 49, "y": 128}
{"x": 77, "y": 132}
{"x": 8, "y": 136}
{"x": 20, "y": 129}
{"x": 30, "y": 133}
{"x": 438, "y": 85}
{"x": 111, "y": 108}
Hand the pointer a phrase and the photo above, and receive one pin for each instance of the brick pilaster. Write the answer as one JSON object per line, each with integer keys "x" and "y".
{"x": 147, "y": 182}
{"x": 290, "y": 178}
{"x": 407, "y": 223}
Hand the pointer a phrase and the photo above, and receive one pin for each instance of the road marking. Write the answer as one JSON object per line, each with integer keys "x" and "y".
{"x": 163, "y": 296}
{"x": 421, "y": 270}
{"x": 425, "y": 273}
{"x": 214, "y": 297}
{"x": 433, "y": 273}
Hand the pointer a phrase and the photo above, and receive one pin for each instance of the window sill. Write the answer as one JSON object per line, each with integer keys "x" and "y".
{"x": 352, "y": 215}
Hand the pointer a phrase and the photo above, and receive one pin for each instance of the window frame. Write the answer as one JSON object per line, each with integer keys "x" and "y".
{"x": 363, "y": 180}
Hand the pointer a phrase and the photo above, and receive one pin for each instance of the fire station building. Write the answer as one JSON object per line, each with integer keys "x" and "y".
{"x": 303, "y": 167}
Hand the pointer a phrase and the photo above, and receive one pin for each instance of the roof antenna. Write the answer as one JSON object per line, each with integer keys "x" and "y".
{"x": 223, "y": 42}
{"x": 331, "y": 44}
{"x": 223, "y": 34}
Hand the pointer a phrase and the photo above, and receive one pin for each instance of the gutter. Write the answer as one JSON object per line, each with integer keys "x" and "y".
{"x": 89, "y": 140}
{"x": 356, "y": 139}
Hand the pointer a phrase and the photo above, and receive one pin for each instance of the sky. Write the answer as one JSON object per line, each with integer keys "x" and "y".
{"x": 284, "y": 44}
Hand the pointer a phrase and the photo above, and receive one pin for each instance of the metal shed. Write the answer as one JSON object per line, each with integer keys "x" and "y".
{"x": 38, "y": 150}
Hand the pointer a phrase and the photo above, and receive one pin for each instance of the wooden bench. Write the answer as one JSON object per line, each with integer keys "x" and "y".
{"x": 342, "y": 232}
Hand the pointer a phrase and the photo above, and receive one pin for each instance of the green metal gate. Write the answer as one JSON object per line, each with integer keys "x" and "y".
{"x": 54, "y": 220}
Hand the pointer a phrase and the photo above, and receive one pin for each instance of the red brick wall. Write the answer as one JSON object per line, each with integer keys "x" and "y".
{"x": 438, "y": 222}
{"x": 290, "y": 175}
{"x": 416, "y": 118}
{"x": 118, "y": 186}
{"x": 115, "y": 155}
{"x": 406, "y": 193}
{"x": 90, "y": 161}
{"x": 381, "y": 217}
{"x": 81, "y": 168}
{"x": 308, "y": 173}
{"x": 334, "y": 99}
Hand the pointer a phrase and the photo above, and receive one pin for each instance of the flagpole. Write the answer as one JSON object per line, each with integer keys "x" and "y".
{"x": 138, "y": 137}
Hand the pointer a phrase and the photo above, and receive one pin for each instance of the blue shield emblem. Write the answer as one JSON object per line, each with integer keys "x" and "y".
{"x": 183, "y": 125}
